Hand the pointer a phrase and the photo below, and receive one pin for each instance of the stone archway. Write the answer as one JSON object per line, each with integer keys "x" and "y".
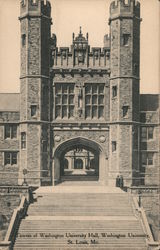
{"x": 99, "y": 157}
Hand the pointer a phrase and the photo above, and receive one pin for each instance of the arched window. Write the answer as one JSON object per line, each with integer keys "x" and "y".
{"x": 78, "y": 164}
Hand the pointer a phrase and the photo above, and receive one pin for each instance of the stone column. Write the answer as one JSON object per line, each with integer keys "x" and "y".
{"x": 103, "y": 169}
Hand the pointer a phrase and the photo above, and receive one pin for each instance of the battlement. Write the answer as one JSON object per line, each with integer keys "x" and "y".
{"x": 93, "y": 50}
{"x": 79, "y": 53}
{"x": 35, "y": 7}
{"x": 68, "y": 57}
{"x": 124, "y": 7}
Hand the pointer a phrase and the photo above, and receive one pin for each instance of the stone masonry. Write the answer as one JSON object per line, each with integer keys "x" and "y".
{"x": 79, "y": 97}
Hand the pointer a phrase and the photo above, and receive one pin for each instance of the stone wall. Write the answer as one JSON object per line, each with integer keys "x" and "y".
{"x": 151, "y": 206}
{"x": 149, "y": 199}
{"x": 90, "y": 134}
{"x": 150, "y": 118}
{"x": 9, "y": 173}
{"x": 10, "y": 197}
{"x": 34, "y": 46}
{"x": 8, "y": 202}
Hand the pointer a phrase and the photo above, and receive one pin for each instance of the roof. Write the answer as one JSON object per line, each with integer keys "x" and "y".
{"x": 9, "y": 101}
{"x": 149, "y": 102}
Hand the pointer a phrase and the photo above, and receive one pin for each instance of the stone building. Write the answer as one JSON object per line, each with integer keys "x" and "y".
{"x": 79, "y": 103}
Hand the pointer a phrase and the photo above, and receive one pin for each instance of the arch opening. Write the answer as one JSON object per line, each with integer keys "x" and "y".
{"x": 77, "y": 159}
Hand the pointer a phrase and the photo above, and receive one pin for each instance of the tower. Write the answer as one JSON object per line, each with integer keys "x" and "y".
{"x": 124, "y": 24}
{"x": 35, "y": 19}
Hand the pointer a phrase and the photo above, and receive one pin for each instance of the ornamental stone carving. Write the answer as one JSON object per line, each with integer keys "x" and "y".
{"x": 102, "y": 138}
{"x": 57, "y": 138}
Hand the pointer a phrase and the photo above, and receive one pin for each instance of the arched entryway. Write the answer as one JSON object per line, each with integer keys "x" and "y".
{"x": 79, "y": 157}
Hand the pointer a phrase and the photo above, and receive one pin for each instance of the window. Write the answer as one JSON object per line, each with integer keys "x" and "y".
{"x": 23, "y": 39}
{"x": 114, "y": 146}
{"x": 147, "y": 158}
{"x": 64, "y": 101}
{"x": 10, "y": 158}
{"x": 23, "y": 140}
{"x": 147, "y": 133}
{"x": 94, "y": 101}
{"x": 125, "y": 111}
{"x": 10, "y": 131}
{"x": 150, "y": 133}
{"x": 150, "y": 158}
{"x": 126, "y": 39}
{"x": 114, "y": 91}
{"x": 33, "y": 110}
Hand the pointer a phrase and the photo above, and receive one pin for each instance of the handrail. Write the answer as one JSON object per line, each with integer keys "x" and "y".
{"x": 135, "y": 206}
{"x": 151, "y": 242}
{"x": 18, "y": 213}
{"x": 150, "y": 239}
{"x": 145, "y": 223}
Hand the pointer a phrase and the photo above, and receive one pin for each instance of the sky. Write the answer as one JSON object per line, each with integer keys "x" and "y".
{"x": 68, "y": 16}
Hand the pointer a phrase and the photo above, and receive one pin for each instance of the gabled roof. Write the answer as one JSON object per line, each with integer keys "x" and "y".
{"x": 9, "y": 102}
{"x": 149, "y": 102}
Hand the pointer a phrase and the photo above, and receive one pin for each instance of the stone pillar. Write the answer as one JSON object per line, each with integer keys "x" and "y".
{"x": 103, "y": 169}
{"x": 55, "y": 171}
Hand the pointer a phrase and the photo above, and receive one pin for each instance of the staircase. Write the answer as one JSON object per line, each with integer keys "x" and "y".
{"x": 81, "y": 218}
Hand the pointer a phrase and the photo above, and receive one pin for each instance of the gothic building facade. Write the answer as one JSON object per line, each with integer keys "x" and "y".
{"x": 79, "y": 111}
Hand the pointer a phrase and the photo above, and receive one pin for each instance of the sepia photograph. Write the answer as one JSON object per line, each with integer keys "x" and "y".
{"x": 79, "y": 125}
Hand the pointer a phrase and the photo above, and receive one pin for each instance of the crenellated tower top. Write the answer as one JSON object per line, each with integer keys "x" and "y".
{"x": 124, "y": 8}
{"x": 35, "y": 7}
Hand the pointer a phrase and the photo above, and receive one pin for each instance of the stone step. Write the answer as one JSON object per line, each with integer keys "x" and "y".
{"x": 78, "y": 247}
{"x": 81, "y": 248}
{"x": 38, "y": 241}
{"x": 54, "y": 214}
{"x": 79, "y": 225}
{"x": 80, "y": 214}
{"x": 109, "y": 245}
